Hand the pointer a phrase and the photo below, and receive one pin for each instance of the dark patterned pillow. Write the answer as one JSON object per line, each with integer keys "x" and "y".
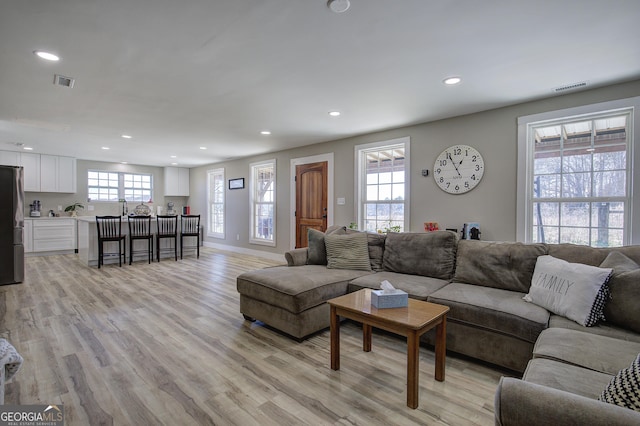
{"x": 624, "y": 388}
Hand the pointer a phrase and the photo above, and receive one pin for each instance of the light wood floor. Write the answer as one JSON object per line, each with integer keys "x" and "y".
{"x": 166, "y": 344}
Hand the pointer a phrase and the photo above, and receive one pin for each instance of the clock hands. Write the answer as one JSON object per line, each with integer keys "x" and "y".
{"x": 454, "y": 164}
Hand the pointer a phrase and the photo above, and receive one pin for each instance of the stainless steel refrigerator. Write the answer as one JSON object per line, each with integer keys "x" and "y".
{"x": 11, "y": 224}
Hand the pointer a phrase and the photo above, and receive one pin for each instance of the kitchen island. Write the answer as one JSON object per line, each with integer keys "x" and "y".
{"x": 88, "y": 242}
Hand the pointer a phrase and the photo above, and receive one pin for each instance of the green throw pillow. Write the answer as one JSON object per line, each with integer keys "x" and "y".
{"x": 347, "y": 251}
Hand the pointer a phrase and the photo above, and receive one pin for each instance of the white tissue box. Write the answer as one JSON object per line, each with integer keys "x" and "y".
{"x": 389, "y": 299}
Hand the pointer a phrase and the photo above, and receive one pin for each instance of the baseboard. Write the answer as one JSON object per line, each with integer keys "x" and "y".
{"x": 259, "y": 253}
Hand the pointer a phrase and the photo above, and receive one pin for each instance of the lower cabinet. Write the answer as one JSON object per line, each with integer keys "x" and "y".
{"x": 27, "y": 236}
{"x": 54, "y": 235}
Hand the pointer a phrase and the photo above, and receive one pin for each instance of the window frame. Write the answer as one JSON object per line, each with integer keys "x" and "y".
{"x": 253, "y": 167}
{"x": 121, "y": 186}
{"x": 360, "y": 179}
{"x": 218, "y": 173}
{"x": 525, "y": 187}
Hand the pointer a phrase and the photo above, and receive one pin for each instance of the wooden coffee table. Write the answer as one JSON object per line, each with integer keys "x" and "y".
{"x": 412, "y": 322}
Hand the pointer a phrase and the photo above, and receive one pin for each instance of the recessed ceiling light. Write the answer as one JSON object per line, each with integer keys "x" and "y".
{"x": 203, "y": 147}
{"x": 46, "y": 55}
{"x": 174, "y": 156}
{"x": 124, "y": 162}
{"x": 28, "y": 148}
{"x": 105, "y": 147}
{"x": 450, "y": 81}
{"x": 265, "y": 132}
{"x": 339, "y": 6}
{"x": 334, "y": 113}
{"x": 174, "y": 164}
{"x": 127, "y": 136}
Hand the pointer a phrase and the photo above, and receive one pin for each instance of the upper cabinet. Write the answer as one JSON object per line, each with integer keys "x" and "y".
{"x": 9, "y": 158}
{"x": 31, "y": 164}
{"x": 176, "y": 181}
{"x": 57, "y": 174}
{"x": 43, "y": 173}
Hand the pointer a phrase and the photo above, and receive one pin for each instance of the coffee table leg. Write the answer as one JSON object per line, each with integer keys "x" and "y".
{"x": 413, "y": 356}
{"x": 441, "y": 348}
{"x": 366, "y": 337}
{"x": 335, "y": 339}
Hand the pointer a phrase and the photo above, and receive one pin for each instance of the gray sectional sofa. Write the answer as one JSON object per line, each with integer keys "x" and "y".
{"x": 483, "y": 283}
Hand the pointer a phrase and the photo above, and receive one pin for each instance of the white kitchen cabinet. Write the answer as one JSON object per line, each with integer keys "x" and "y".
{"x": 57, "y": 174}
{"x": 55, "y": 234}
{"x": 9, "y": 158}
{"x": 27, "y": 235}
{"x": 176, "y": 181}
{"x": 31, "y": 164}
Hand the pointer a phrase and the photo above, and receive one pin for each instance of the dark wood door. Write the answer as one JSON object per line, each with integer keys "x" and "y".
{"x": 311, "y": 200}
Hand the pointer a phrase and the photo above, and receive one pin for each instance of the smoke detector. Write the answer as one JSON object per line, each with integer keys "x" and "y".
{"x": 338, "y": 6}
{"x": 61, "y": 80}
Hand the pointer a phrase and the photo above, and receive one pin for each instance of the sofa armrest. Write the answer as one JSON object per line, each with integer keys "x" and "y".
{"x": 527, "y": 404}
{"x": 296, "y": 257}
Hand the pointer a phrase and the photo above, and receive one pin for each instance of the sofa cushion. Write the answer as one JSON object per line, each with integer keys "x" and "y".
{"x": 417, "y": 286}
{"x": 502, "y": 311}
{"x": 624, "y": 287}
{"x": 566, "y": 377}
{"x": 504, "y": 265}
{"x": 296, "y": 288}
{"x": 430, "y": 254}
{"x": 602, "y": 328}
{"x": 583, "y": 349}
{"x": 574, "y": 290}
{"x": 347, "y": 251}
{"x": 624, "y": 388}
{"x": 590, "y": 255}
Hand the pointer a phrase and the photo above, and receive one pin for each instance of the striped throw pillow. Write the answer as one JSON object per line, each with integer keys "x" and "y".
{"x": 347, "y": 251}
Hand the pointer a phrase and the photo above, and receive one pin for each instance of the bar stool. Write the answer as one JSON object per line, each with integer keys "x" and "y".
{"x": 190, "y": 227}
{"x": 110, "y": 230}
{"x": 167, "y": 228}
{"x": 140, "y": 229}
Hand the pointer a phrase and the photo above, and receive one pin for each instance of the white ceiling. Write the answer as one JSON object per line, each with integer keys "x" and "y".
{"x": 178, "y": 75}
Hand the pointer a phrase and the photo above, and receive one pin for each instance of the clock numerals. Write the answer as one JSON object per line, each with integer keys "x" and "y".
{"x": 458, "y": 169}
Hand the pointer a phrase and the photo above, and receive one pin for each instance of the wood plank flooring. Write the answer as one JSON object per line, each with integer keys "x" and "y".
{"x": 166, "y": 344}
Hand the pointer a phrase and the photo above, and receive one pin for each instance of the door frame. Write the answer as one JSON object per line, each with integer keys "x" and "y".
{"x": 328, "y": 157}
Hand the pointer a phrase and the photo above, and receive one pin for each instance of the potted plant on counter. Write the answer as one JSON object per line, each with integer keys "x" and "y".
{"x": 73, "y": 209}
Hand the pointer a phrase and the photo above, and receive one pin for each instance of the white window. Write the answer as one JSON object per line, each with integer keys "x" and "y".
{"x": 578, "y": 178}
{"x": 114, "y": 186}
{"x": 383, "y": 185}
{"x": 215, "y": 203}
{"x": 263, "y": 202}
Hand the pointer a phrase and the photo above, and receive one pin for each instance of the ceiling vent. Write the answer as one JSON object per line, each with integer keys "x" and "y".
{"x": 571, "y": 86}
{"x": 61, "y": 80}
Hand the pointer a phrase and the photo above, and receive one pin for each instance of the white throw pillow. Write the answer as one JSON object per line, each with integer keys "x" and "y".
{"x": 573, "y": 290}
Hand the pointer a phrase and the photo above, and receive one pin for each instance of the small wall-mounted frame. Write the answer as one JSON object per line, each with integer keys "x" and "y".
{"x": 236, "y": 183}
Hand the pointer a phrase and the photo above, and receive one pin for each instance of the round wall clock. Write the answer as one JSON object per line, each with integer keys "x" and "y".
{"x": 458, "y": 169}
